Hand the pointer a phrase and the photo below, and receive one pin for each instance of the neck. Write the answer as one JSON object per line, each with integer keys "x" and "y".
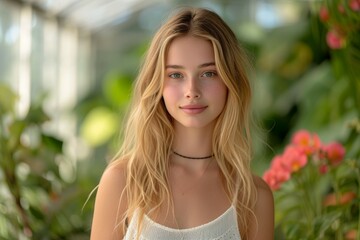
{"x": 192, "y": 142}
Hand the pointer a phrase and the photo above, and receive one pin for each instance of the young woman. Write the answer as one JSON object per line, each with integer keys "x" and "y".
{"x": 183, "y": 171}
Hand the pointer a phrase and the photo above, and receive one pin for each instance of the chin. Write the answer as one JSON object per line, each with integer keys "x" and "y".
{"x": 197, "y": 124}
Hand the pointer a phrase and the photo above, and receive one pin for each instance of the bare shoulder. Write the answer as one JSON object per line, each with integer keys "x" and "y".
{"x": 264, "y": 193}
{"x": 113, "y": 180}
{"x": 264, "y": 207}
{"x": 114, "y": 173}
{"x": 262, "y": 187}
{"x": 264, "y": 211}
{"x": 110, "y": 203}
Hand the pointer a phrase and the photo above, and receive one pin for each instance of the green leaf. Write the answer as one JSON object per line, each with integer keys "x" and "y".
{"x": 36, "y": 213}
{"x": 7, "y": 99}
{"x": 36, "y": 115}
{"x": 117, "y": 89}
{"x": 15, "y": 130}
{"x": 296, "y": 230}
{"x": 327, "y": 220}
{"x": 52, "y": 143}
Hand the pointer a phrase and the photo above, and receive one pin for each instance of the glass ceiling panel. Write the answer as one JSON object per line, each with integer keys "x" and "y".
{"x": 93, "y": 14}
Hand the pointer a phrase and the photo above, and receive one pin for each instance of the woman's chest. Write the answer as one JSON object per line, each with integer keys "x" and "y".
{"x": 194, "y": 203}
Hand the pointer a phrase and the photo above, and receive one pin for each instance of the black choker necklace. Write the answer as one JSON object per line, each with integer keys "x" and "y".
{"x": 192, "y": 157}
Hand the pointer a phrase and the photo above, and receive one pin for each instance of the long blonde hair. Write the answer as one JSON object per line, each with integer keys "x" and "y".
{"x": 148, "y": 134}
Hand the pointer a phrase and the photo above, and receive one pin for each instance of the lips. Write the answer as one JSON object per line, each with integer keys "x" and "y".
{"x": 193, "y": 109}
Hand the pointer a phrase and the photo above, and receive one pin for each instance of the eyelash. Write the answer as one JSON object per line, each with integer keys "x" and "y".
{"x": 213, "y": 74}
{"x": 173, "y": 74}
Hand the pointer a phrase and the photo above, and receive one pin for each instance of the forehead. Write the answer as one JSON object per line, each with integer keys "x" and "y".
{"x": 187, "y": 50}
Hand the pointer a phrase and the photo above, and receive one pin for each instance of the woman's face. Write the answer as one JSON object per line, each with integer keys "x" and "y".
{"x": 194, "y": 94}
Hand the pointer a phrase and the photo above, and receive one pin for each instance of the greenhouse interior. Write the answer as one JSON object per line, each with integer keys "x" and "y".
{"x": 67, "y": 69}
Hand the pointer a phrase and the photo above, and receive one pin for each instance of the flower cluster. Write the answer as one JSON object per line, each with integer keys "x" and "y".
{"x": 305, "y": 148}
{"x": 339, "y": 31}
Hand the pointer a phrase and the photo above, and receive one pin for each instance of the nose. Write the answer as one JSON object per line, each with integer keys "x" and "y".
{"x": 192, "y": 90}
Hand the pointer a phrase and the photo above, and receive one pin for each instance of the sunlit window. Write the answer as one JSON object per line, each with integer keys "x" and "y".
{"x": 9, "y": 43}
{"x": 43, "y": 58}
{"x": 40, "y": 55}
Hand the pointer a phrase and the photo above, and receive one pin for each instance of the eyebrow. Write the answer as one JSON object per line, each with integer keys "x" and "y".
{"x": 200, "y": 66}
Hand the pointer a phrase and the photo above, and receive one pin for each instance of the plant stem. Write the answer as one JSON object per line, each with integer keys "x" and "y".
{"x": 306, "y": 204}
{"x": 9, "y": 167}
{"x": 353, "y": 78}
{"x": 358, "y": 180}
{"x": 339, "y": 231}
{"x": 13, "y": 185}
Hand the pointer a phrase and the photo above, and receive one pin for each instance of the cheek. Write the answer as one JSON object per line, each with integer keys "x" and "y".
{"x": 221, "y": 96}
{"x": 169, "y": 95}
{"x": 219, "y": 91}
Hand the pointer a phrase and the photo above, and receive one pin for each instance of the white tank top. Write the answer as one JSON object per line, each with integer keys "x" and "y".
{"x": 223, "y": 227}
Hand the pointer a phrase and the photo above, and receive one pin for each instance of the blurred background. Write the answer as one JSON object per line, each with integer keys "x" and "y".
{"x": 66, "y": 72}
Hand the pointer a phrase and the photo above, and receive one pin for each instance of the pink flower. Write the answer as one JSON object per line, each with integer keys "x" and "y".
{"x": 345, "y": 198}
{"x": 270, "y": 178}
{"x": 275, "y": 177}
{"x": 324, "y": 14}
{"x": 277, "y": 163}
{"x": 301, "y": 138}
{"x": 277, "y": 174}
{"x": 341, "y": 8}
{"x": 294, "y": 158}
{"x": 334, "y": 152}
{"x": 335, "y": 40}
{"x": 354, "y": 5}
{"x": 323, "y": 168}
{"x": 306, "y": 142}
{"x": 351, "y": 234}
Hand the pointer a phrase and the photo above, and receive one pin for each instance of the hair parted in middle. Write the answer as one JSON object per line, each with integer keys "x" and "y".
{"x": 149, "y": 133}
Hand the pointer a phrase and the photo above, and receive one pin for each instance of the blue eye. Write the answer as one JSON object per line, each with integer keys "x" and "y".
{"x": 175, "y": 75}
{"x": 209, "y": 74}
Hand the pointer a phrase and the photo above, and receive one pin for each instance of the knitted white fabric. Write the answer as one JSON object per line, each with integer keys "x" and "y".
{"x": 223, "y": 227}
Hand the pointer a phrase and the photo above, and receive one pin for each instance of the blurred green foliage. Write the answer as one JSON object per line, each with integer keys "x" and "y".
{"x": 36, "y": 200}
{"x": 305, "y": 84}
{"x": 300, "y": 83}
{"x": 309, "y": 82}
